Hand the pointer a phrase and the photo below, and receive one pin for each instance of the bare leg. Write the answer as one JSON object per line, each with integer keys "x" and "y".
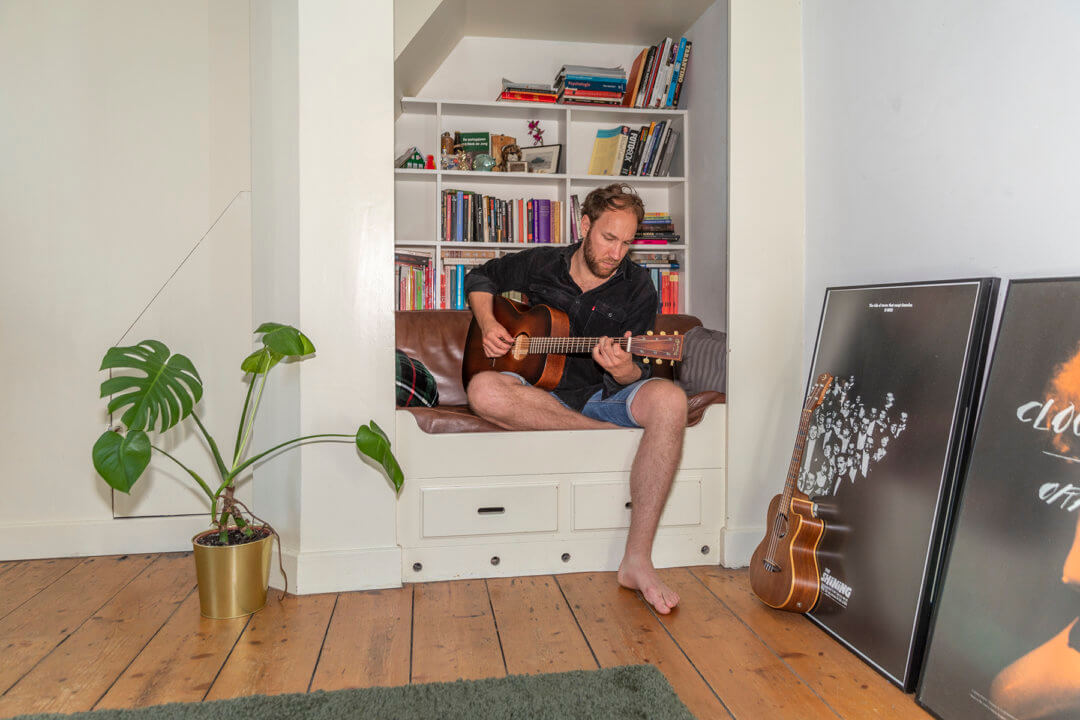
{"x": 660, "y": 408}
{"x": 503, "y": 400}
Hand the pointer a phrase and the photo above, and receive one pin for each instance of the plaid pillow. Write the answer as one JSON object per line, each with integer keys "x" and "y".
{"x": 415, "y": 384}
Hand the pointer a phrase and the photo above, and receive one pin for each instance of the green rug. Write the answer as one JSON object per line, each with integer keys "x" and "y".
{"x": 633, "y": 691}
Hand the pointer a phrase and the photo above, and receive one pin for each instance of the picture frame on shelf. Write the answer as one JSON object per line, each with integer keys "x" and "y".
{"x": 520, "y": 166}
{"x": 542, "y": 159}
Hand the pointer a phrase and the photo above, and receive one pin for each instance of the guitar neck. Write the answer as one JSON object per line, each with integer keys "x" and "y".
{"x": 567, "y": 345}
{"x": 797, "y": 456}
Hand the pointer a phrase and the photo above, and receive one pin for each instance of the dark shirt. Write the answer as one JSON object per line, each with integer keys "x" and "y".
{"x": 625, "y": 301}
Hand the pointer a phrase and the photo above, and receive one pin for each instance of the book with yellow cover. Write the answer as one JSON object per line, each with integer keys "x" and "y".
{"x": 605, "y": 148}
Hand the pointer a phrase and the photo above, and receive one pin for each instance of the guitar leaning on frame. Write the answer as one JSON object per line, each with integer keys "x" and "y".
{"x": 784, "y": 567}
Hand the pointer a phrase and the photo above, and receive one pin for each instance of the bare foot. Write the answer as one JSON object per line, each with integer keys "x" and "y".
{"x": 641, "y": 575}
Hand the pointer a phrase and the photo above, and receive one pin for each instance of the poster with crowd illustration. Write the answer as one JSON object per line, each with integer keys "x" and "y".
{"x": 1006, "y": 638}
{"x": 882, "y": 451}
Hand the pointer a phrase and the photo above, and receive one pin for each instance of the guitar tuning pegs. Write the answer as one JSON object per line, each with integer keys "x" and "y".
{"x": 649, "y": 332}
{"x": 676, "y": 332}
{"x": 663, "y": 333}
{"x": 660, "y": 362}
{"x": 645, "y": 360}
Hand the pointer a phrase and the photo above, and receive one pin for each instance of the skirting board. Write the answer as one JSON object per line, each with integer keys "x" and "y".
{"x": 112, "y": 536}
{"x": 543, "y": 557}
{"x": 738, "y": 545}
{"x": 337, "y": 570}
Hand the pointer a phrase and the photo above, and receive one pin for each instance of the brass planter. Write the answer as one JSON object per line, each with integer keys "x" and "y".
{"x": 232, "y": 578}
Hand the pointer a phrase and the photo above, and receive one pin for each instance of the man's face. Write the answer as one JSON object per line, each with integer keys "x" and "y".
{"x": 608, "y": 240}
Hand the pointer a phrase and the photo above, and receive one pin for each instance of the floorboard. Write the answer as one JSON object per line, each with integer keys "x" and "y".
{"x": 622, "y": 631}
{"x": 77, "y": 674}
{"x": 33, "y": 630}
{"x": 181, "y": 661}
{"x": 367, "y": 644}
{"x": 278, "y": 649}
{"x": 853, "y": 688}
{"x": 27, "y": 579}
{"x": 454, "y": 633}
{"x": 538, "y": 631}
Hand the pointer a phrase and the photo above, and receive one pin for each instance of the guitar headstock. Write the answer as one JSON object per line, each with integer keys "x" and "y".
{"x": 662, "y": 346}
{"x": 816, "y": 396}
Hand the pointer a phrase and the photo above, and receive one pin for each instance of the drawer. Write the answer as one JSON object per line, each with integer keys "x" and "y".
{"x": 606, "y": 505}
{"x": 489, "y": 509}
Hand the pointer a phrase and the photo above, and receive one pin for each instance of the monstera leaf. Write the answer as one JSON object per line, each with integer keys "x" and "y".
{"x": 372, "y": 441}
{"x": 121, "y": 459}
{"x": 167, "y": 391}
{"x": 279, "y": 342}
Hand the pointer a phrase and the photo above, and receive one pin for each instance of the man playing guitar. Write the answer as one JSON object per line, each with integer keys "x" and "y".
{"x": 605, "y": 295}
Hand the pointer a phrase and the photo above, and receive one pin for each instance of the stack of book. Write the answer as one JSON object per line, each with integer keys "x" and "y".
{"x": 656, "y": 229}
{"x": 658, "y": 74}
{"x": 471, "y": 217}
{"x": 623, "y": 150}
{"x": 663, "y": 269}
{"x": 456, "y": 265}
{"x": 594, "y": 86}
{"x": 414, "y": 273}
{"x": 527, "y": 92}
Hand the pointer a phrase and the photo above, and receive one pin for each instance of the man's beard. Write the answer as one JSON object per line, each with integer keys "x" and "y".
{"x": 596, "y": 267}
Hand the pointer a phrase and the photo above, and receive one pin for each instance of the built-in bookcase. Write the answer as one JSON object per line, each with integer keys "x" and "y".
{"x": 418, "y": 192}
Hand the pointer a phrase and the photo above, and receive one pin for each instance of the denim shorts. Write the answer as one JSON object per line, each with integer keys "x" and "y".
{"x": 614, "y": 409}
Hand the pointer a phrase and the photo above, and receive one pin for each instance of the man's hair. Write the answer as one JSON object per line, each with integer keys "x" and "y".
{"x": 612, "y": 197}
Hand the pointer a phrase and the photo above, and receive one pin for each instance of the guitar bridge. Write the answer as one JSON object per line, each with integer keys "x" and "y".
{"x": 771, "y": 566}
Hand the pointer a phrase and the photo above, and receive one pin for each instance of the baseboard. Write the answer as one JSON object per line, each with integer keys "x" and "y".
{"x": 337, "y": 570}
{"x": 736, "y": 546}
{"x": 112, "y": 536}
{"x": 492, "y": 557}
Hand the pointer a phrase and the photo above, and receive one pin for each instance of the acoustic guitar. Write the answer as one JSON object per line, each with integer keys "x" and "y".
{"x": 542, "y": 342}
{"x": 784, "y": 567}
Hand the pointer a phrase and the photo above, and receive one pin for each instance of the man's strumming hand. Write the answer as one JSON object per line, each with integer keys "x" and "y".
{"x": 497, "y": 340}
{"x": 609, "y": 355}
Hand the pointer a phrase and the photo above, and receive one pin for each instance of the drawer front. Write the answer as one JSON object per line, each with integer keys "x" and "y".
{"x": 606, "y": 505}
{"x": 490, "y": 509}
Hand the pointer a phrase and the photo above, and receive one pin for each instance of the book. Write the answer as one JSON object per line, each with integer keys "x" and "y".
{"x": 520, "y": 96}
{"x": 475, "y": 142}
{"x": 682, "y": 73}
{"x": 526, "y": 87}
{"x": 543, "y": 222}
{"x": 650, "y": 61}
{"x": 575, "y": 83}
{"x": 620, "y": 150}
{"x": 605, "y": 147}
{"x": 669, "y": 153}
{"x": 676, "y": 71}
{"x": 634, "y": 78}
{"x": 628, "y": 153}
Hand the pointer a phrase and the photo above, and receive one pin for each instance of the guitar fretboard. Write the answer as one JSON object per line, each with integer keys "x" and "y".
{"x": 566, "y": 345}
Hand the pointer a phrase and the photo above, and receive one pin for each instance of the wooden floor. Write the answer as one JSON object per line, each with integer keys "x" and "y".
{"x": 125, "y": 631}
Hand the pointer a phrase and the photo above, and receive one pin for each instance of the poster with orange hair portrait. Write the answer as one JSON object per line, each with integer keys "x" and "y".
{"x": 1005, "y": 642}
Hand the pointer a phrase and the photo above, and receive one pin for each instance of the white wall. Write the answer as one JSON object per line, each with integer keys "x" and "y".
{"x": 323, "y": 222}
{"x": 123, "y": 135}
{"x": 765, "y": 256}
{"x": 706, "y": 93}
{"x": 941, "y": 142}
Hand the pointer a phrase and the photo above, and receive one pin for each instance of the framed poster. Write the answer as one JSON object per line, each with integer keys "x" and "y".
{"x": 1005, "y": 641}
{"x": 882, "y": 454}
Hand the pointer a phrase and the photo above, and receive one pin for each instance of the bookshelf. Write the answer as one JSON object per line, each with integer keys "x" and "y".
{"x": 418, "y": 192}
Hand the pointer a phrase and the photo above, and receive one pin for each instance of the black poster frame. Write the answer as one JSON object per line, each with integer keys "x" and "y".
{"x": 960, "y": 430}
{"x": 951, "y": 541}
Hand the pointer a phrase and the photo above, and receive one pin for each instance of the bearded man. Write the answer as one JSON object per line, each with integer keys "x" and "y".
{"x": 606, "y": 295}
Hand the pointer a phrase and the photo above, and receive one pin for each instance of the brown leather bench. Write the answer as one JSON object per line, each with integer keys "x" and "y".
{"x": 437, "y": 339}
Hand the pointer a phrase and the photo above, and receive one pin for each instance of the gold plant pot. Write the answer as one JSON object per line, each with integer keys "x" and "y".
{"x": 232, "y": 578}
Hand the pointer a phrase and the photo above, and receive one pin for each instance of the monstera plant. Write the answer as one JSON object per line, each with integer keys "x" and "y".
{"x": 164, "y": 390}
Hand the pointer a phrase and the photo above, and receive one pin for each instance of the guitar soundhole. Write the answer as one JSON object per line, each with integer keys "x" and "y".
{"x": 771, "y": 566}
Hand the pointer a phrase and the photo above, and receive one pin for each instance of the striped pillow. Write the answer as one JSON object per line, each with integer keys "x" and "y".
{"x": 415, "y": 385}
{"x": 704, "y": 363}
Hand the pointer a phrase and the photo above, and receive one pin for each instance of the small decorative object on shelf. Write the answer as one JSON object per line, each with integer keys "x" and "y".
{"x": 483, "y": 162}
{"x": 517, "y": 166}
{"x": 430, "y": 164}
{"x": 536, "y": 132}
{"x": 411, "y": 158}
{"x": 542, "y": 159}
